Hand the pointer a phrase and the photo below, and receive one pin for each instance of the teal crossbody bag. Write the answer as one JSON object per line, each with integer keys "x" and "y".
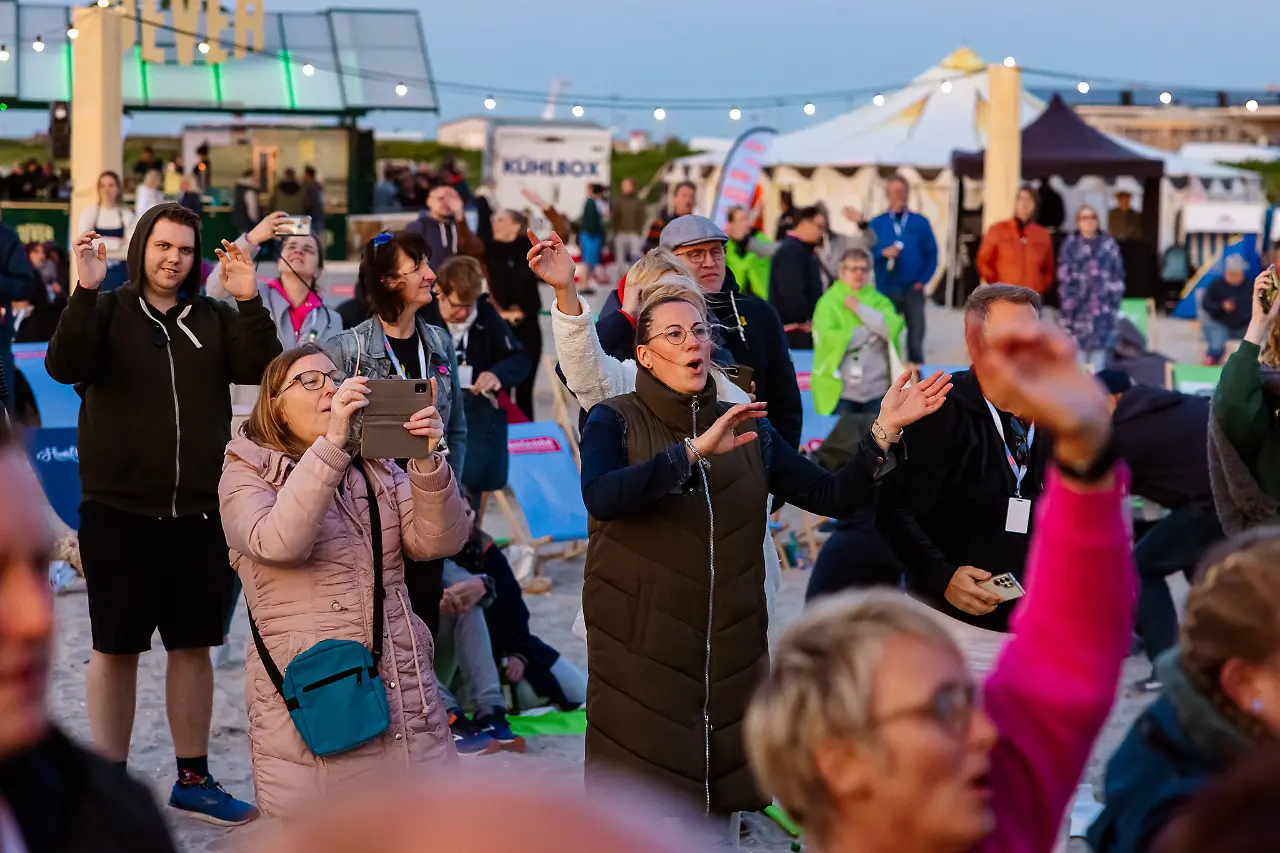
{"x": 333, "y": 691}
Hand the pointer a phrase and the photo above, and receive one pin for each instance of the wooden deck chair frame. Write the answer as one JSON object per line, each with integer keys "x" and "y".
{"x": 564, "y": 407}
{"x": 509, "y": 506}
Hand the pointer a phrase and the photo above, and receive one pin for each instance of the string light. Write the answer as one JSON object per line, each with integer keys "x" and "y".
{"x": 1082, "y": 87}
{"x": 1009, "y": 62}
{"x": 4, "y": 53}
{"x": 402, "y": 89}
{"x": 579, "y": 110}
{"x": 735, "y": 114}
{"x": 946, "y": 87}
{"x": 72, "y": 33}
{"x": 102, "y": 4}
{"x": 38, "y": 45}
{"x": 308, "y": 69}
{"x": 878, "y": 100}
{"x": 1166, "y": 97}
{"x": 490, "y": 103}
{"x": 810, "y": 108}
{"x": 660, "y": 114}
{"x": 1251, "y": 105}
{"x": 203, "y": 46}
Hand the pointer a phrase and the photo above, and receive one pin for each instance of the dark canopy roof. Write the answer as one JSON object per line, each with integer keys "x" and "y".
{"x": 1060, "y": 143}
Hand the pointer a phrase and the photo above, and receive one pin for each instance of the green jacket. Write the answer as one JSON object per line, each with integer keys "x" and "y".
{"x": 1244, "y": 408}
{"x": 833, "y": 325}
{"x": 750, "y": 269}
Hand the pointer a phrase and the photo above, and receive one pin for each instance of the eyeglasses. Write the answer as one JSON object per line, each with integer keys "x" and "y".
{"x": 676, "y": 335}
{"x": 403, "y": 276}
{"x": 1088, "y": 216}
{"x": 698, "y": 257}
{"x": 313, "y": 380}
{"x": 858, "y": 268}
{"x": 444, "y": 297}
{"x": 951, "y": 707}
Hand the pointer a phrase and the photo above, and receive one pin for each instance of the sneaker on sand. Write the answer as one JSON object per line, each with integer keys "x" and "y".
{"x": 469, "y": 738}
{"x": 209, "y": 802}
{"x": 495, "y": 725}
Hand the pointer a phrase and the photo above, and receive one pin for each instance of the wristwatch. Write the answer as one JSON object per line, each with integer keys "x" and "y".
{"x": 1093, "y": 471}
{"x": 881, "y": 434}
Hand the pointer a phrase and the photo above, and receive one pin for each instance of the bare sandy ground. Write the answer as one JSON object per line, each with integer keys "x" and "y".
{"x": 152, "y": 756}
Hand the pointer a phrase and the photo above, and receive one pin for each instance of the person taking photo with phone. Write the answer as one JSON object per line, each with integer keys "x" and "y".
{"x": 153, "y": 362}
{"x": 309, "y": 522}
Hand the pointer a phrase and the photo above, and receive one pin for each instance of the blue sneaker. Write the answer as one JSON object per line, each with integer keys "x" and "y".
{"x": 208, "y": 801}
{"x": 495, "y": 725}
{"x": 468, "y": 738}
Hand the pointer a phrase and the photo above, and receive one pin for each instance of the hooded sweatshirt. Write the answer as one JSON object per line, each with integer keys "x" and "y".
{"x": 155, "y": 414}
{"x": 446, "y": 239}
{"x": 1161, "y": 434}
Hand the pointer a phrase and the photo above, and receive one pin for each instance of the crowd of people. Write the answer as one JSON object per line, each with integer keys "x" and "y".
{"x": 389, "y": 632}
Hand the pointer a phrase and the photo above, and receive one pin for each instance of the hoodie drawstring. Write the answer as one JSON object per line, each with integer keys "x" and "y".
{"x": 734, "y": 302}
{"x": 181, "y": 317}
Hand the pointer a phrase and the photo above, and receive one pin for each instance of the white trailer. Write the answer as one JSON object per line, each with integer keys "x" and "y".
{"x": 557, "y": 161}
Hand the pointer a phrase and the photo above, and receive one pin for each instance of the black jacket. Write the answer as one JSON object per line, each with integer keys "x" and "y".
{"x": 1216, "y": 296}
{"x": 795, "y": 280}
{"x": 948, "y": 505}
{"x": 67, "y": 800}
{"x": 1162, "y": 435}
{"x": 490, "y": 344}
{"x": 511, "y": 282}
{"x": 155, "y": 415}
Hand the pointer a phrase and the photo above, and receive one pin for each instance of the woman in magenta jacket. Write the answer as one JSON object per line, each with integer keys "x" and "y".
{"x": 871, "y": 730}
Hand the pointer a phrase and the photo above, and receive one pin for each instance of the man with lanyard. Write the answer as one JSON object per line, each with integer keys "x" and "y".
{"x": 905, "y": 260}
{"x": 959, "y": 511}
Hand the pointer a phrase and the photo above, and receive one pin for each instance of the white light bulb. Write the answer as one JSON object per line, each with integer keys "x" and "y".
{"x": 308, "y": 69}
{"x": 810, "y": 109}
{"x": 402, "y": 89}
{"x": 1166, "y": 98}
{"x": 579, "y": 111}
{"x": 1009, "y": 62}
{"x": 490, "y": 103}
{"x": 1251, "y": 105}
{"x": 878, "y": 100}
{"x": 4, "y": 53}
{"x": 38, "y": 45}
{"x": 203, "y": 46}
{"x": 102, "y": 4}
{"x": 72, "y": 33}
{"x": 946, "y": 86}
{"x": 660, "y": 114}
{"x": 1082, "y": 87}
{"x": 735, "y": 114}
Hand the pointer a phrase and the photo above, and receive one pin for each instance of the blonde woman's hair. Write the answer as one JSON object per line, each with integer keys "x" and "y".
{"x": 653, "y": 266}
{"x": 820, "y": 688}
{"x": 1233, "y": 611}
{"x": 265, "y": 425}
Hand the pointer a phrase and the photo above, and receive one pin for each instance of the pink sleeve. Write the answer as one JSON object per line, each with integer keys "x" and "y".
{"x": 434, "y": 519}
{"x": 1055, "y": 682}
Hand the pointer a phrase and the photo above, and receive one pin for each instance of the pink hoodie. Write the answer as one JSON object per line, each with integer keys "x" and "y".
{"x": 1055, "y": 681}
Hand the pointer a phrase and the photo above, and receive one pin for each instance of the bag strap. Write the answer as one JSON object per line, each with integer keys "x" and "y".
{"x": 379, "y": 593}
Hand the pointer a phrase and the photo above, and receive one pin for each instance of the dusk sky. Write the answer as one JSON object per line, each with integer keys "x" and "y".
{"x": 710, "y": 48}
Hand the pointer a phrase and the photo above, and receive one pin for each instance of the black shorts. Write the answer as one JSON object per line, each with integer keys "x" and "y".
{"x": 145, "y": 573}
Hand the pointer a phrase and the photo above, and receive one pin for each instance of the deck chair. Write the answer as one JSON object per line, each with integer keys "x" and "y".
{"x": 927, "y": 370}
{"x": 545, "y": 483}
{"x": 1196, "y": 379}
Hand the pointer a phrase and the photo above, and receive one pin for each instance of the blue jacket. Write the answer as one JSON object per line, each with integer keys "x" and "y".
{"x": 919, "y": 259}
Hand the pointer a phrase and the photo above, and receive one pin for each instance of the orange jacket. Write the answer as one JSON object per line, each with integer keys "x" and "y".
{"x": 1010, "y": 255}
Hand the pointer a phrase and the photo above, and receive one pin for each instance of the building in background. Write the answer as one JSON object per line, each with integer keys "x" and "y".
{"x": 471, "y": 133}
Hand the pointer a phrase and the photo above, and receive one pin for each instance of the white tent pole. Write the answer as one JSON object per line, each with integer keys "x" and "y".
{"x": 953, "y": 239}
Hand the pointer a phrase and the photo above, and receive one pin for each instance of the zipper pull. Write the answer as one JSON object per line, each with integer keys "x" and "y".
{"x": 695, "y": 417}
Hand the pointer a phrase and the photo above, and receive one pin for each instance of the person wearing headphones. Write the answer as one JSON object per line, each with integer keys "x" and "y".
{"x": 292, "y": 297}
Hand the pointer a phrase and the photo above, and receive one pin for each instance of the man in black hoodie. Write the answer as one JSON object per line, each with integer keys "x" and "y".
{"x": 1162, "y": 436}
{"x": 748, "y": 327}
{"x": 153, "y": 363}
{"x": 795, "y": 276}
{"x": 444, "y": 226}
{"x": 57, "y": 797}
{"x": 959, "y": 511}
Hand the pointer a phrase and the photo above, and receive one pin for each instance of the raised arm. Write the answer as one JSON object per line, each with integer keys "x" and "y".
{"x": 75, "y": 350}
{"x": 1239, "y": 400}
{"x": 249, "y": 244}
{"x": 279, "y": 528}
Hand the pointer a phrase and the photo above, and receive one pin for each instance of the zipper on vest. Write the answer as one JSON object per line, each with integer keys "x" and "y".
{"x": 711, "y": 609}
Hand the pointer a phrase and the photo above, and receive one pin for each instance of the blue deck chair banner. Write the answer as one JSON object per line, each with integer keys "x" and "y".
{"x": 546, "y": 482}
{"x": 927, "y": 370}
{"x": 58, "y": 405}
{"x": 816, "y": 427}
{"x": 56, "y": 458}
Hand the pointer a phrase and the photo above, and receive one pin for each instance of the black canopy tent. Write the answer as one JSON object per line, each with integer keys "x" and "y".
{"x": 1060, "y": 143}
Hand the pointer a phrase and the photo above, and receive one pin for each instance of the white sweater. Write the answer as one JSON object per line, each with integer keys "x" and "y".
{"x": 594, "y": 376}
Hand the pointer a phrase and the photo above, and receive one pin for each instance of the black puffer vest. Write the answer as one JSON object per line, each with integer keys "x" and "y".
{"x": 675, "y": 610}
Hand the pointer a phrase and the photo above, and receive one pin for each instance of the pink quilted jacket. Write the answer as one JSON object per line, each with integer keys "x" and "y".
{"x": 299, "y": 537}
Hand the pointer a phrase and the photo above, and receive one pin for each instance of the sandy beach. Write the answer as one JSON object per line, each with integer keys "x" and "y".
{"x": 152, "y": 754}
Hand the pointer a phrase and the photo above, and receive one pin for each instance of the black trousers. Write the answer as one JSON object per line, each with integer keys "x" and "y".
{"x": 425, "y": 582}
{"x": 529, "y": 333}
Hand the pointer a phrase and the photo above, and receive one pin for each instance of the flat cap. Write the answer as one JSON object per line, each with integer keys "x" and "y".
{"x": 690, "y": 229}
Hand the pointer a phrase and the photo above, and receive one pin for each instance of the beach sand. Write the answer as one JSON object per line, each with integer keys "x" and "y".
{"x": 152, "y": 760}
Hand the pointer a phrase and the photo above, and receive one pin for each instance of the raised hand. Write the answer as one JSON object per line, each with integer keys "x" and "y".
{"x": 91, "y": 262}
{"x": 903, "y": 406}
{"x": 237, "y": 273}
{"x": 550, "y": 261}
{"x": 266, "y": 229}
{"x": 1033, "y": 367}
{"x": 350, "y": 398}
{"x": 427, "y": 422}
{"x": 1262, "y": 319}
{"x": 720, "y": 437}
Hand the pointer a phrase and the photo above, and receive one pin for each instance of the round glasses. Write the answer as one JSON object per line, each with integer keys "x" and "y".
{"x": 950, "y": 707}
{"x": 676, "y": 335}
{"x": 313, "y": 380}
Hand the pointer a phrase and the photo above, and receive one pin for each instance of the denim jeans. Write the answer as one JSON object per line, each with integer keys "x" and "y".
{"x": 1217, "y": 334}
{"x": 463, "y": 648}
{"x": 1174, "y": 544}
{"x": 910, "y": 304}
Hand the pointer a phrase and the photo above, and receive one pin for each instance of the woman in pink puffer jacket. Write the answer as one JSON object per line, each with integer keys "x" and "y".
{"x": 296, "y": 515}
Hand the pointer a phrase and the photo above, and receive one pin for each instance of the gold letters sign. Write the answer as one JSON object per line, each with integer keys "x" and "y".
{"x": 183, "y": 17}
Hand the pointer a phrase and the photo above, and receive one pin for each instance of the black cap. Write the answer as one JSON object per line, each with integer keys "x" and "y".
{"x": 1115, "y": 381}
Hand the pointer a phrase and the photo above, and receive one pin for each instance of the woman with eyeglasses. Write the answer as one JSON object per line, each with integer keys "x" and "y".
{"x": 396, "y": 342}
{"x": 1091, "y": 288}
{"x": 871, "y": 729}
{"x": 677, "y": 488}
{"x": 293, "y": 296}
{"x": 301, "y": 526}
